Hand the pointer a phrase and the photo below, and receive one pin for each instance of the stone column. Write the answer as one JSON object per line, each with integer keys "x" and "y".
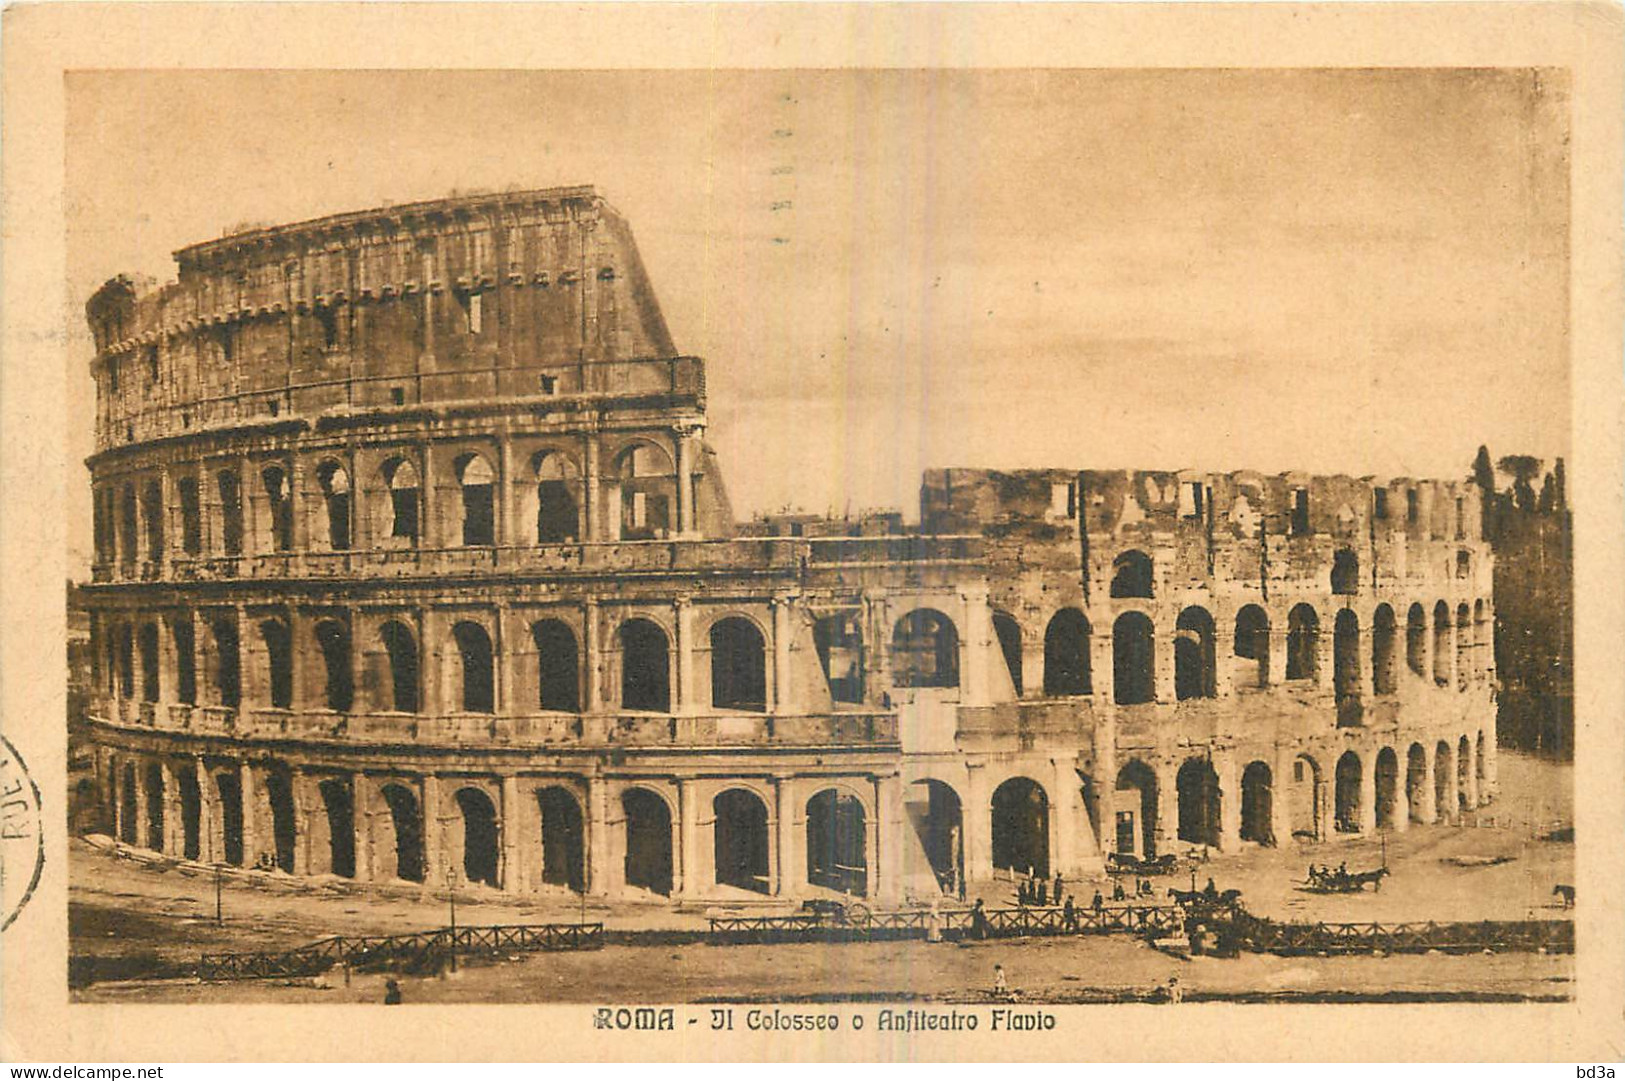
{"x": 1063, "y": 816}
{"x": 785, "y": 880}
{"x": 592, "y": 673}
{"x": 307, "y": 801}
{"x": 1366, "y": 661}
{"x": 249, "y": 791}
{"x": 300, "y": 531}
{"x": 1472, "y": 774}
{"x": 361, "y": 807}
{"x": 1102, "y": 670}
{"x": 1167, "y": 806}
{"x": 1162, "y": 645}
{"x": 512, "y": 830}
{"x": 1427, "y": 811}
{"x": 1282, "y": 790}
{"x": 1325, "y": 661}
{"x": 174, "y": 828}
{"x": 976, "y": 628}
{"x": 890, "y": 824}
{"x": 1491, "y": 766}
{"x": 976, "y": 817}
{"x": 600, "y": 872}
{"x": 431, "y": 672}
{"x": 1402, "y": 798}
{"x": 688, "y": 845}
{"x": 1224, "y": 765}
{"x": 594, "y": 493}
{"x": 1224, "y": 659}
{"x": 1277, "y": 660}
{"x": 1368, "y": 794}
{"x": 504, "y": 658}
{"x": 782, "y": 696}
{"x": 142, "y": 817}
{"x": 209, "y": 847}
{"x": 507, "y": 532}
{"x": 434, "y": 833}
{"x": 1105, "y": 748}
{"x": 685, "y": 701}
{"x": 428, "y": 510}
{"x": 685, "y": 481}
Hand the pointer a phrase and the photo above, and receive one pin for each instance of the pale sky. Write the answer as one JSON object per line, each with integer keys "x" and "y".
{"x": 1342, "y": 272}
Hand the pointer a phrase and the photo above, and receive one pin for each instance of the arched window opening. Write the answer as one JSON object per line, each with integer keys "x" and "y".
{"x": 1199, "y": 802}
{"x": 406, "y": 824}
{"x": 738, "y": 665}
{"x": 938, "y": 818}
{"x": 1444, "y": 777}
{"x": 1302, "y": 643}
{"x": 1464, "y": 563}
{"x": 191, "y": 516}
{"x": 1066, "y": 655}
{"x": 648, "y": 841}
{"x": 741, "y": 841}
{"x": 645, "y": 667}
{"x": 185, "y": 635}
{"x": 837, "y": 834}
{"x": 334, "y": 639}
{"x": 335, "y": 484}
{"x": 1306, "y": 798}
{"x": 1483, "y": 644}
{"x": 557, "y": 517}
{"x": 480, "y": 864}
{"x": 1257, "y": 804}
{"x": 279, "y": 660}
{"x": 284, "y": 818}
{"x": 1252, "y": 646}
{"x": 1384, "y": 678}
{"x": 129, "y": 808}
{"x": 402, "y": 480}
{"x": 1135, "y": 831}
{"x": 1346, "y": 654}
{"x": 1387, "y": 788}
{"x": 152, "y": 509}
{"x": 925, "y": 650}
{"x": 148, "y": 643}
{"x": 1416, "y": 781}
{"x": 1345, "y": 571}
{"x": 563, "y": 840}
{"x": 229, "y": 788}
{"x": 1021, "y": 828}
{"x": 191, "y": 800}
{"x": 1346, "y": 813}
{"x": 1416, "y": 640}
{"x": 1132, "y": 575}
{"x": 129, "y": 527}
{"x": 1464, "y": 775}
{"x": 279, "y": 500}
{"x": 1464, "y": 647}
{"x": 558, "y": 668}
{"x": 1193, "y": 655}
{"x": 479, "y": 505}
{"x": 475, "y": 660}
{"x": 1442, "y": 651}
{"x": 1133, "y": 659}
{"x": 231, "y": 512}
{"x": 838, "y": 640}
{"x": 124, "y": 644}
{"x": 402, "y": 649}
{"x": 647, "y": 489}
{"x": 339, "y": 804}
{"x": 1481, "y": 769}
{"x": 228, "y": 683}
{"x": 155, "y": 806}
{"x": 1008, "y": 632}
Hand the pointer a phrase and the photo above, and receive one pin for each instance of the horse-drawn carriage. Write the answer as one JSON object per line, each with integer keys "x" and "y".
{"x": 829, "y": 910}
{"x": 1205, "y": 898}
{"x": 1342, "y": 880}
{"x": 1124, "y": 863}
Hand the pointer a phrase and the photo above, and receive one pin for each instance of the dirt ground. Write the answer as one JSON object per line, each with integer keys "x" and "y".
{"x": 128, "y": 917}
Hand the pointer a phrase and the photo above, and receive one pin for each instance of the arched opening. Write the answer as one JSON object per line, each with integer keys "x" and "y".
{"x": 334, "y": 639}
{"x": 938, "y": 821}
{"x": 401, "y": 479}
{"x": 1464, "y": 647}
{"x": 1066, "y": 654}
{"x": 402, "y": 649}
{"x": 1252, "y": 647}
{"x": 340, "y": 806}
{"x": 478, "y": 687}
{"x": 1021, "y": 827}
{"x": 1444, "y": 775}
{"x": 1345, "y": 571}
{"x": 230, "y": 790}
{"x": 1302, "y": 643}
{"x": 741, "y": 840}
{"x": 479, "y": 836}
{"x": 155, "y": 806}
{"x": 838, "y": 639}
{"x": 284, "y": 822}
{"x": 648, "y": 841}
{"x": 1132, "y": 575}
{"x": 1481, "y": 768}
{"x": 557, "y": 517}
{"x": 191, "y": 799}
{"x": 1136, "y": 826}
{"x": 228, "y": 683}
{"x": 1384, "y": 678}
{"x": 1442, "y": 652}
{"x": 1416, "y": 781}
{"x": 1387, "y": 788}
{"x": 645, "y": 671}
{"x": 1133, "y": 659}
{"x": 185, "y": 637}
{"x": 152, "y": 507}
{"x": 925, "y": 650}
{"x": 279, "y": 662}
{"x": 1199, "y": 802}
{"x": 1008, "y": 632}
{"x": 1257, "y": 804}
{"x": 478, "y": 485}
{"x": 1346, "y": 655}
{"x": 406, "y": 825}
{"x": 1416, "y": 640}
{"x": 558, "y": 667}
{"x": 124, "y": 646}
{"x": 129, "y": 808}
{"x": 231, "y": 512}
{"x": 147, "y": 642}
{"x": 335, "y": 484}
{"x": 129, "y": 527}
{"x": 191, "y": 515}
{"x": 738, "y": 665}
{"x": 837, "y": 833}
{"x": 1193, "y": 655}
{"x": 563, "y": 839}
{"x": 1346, "y": 812}
{"x": 647, "y": 485}
{"x": 1306, "y": 798}
{"x": 1464, "y": 774}
{"x": 1483, "y": 644}
{"x": 279, "y": 502}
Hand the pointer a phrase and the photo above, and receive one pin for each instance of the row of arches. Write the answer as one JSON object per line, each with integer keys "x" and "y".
{"x": 131, "y": 520}
{"x": 1134, "y": 575}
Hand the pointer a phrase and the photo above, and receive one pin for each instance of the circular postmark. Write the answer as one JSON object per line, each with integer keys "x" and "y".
{"x": 22, "y": 844}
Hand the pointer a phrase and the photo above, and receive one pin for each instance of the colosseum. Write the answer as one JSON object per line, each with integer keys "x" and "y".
{"x": 412, "y": 562}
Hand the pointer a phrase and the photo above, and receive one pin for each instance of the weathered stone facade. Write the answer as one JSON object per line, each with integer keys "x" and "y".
{"x": 412, "y": 563}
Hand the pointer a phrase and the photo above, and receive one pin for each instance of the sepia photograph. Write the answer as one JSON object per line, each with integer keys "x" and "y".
{"x": 790, "y": 548}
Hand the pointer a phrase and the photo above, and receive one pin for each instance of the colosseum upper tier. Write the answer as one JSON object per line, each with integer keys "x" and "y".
{"x": 412, "y": 563}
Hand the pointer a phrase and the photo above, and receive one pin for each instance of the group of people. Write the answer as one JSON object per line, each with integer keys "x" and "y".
{"x": 1037, "y": 891}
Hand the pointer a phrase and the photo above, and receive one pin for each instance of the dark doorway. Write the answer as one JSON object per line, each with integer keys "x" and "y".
{"x": 1136, "y": 798}
{"x": 738, "y": 666}
{"x": 1387, "y": 781}
{"x": 479, "y": 836}
{"x": 1416, "y": 781}
{"x": 648, "y": 841}
{"x": 837, "y": 842}
{"x": 558, "y": 668}
{"x": 555, "y": 512}
{"x": 1346, "y": 655}
{"x": 230, "y": 789}
{"x": 407, "y": 826}
{"x": 474, "y": 653}
{"x": 563, "y": 839}
{"x": 1200, "y": 802}
{"x": 925, "y": 650}
{"x": 1443, "y": 774}
{"x": 1346, "y": 796}
{"x": 1194, "y": 668}
{"x": 1132, "y": 575}
{"x": 1252, "y": 647}
{"x": 279, "y": 657}
{"x": 191, "y": 814}
{"x": 284, "y": 829}
{"x": 839, "y": 642}
{"x": 155, "y": 807}
{"x": 1133, "y": 659}
{"x": 1066, "y": 654}
{"x": 1021, "y": 827}
{"x": 477, "y": 481}
{"x": 1306, "y": 798}
{"x": 340, "y": 805}
{"x": 402, "y": 649}
{"x": 1257, "y": 804}
{"x": 334, "y": 639}
{"x": 1302, "y": 643}
{"x": 939, "y": 823}
{"x": 129, "y": 816}
{"x": 228, "y": 670}
{"x": 645, "y": 671}
{"x": 741, "y": 840}
{"x": 185, "y": 636}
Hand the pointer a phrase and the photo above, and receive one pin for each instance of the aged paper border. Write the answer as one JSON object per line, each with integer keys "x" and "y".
{"x": 43, "y": 42}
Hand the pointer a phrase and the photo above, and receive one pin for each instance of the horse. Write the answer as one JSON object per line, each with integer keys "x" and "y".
{"x": 1190, "y": 898}
{"x": 1358, "y": 879}
{"x": 1565, "y": 892}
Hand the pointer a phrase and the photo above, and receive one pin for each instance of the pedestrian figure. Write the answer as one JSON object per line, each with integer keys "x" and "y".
{"x": 1043, "y": 893}
{"x": 392, "y": 993}
{"x": 933, "y": 923}
{"x": 1069, "y": 915}
{"x": 1056, "y": 893}
{"x": 1099, "y": 902}
{"x": 1210, "y": 889}
{"x": 1001, "y": 987}
{"x": 1118, "y": 894}
{"x": 961, "y": 879}
{"x": 978, "y": 921}
{"x": 1175, "y": 993}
